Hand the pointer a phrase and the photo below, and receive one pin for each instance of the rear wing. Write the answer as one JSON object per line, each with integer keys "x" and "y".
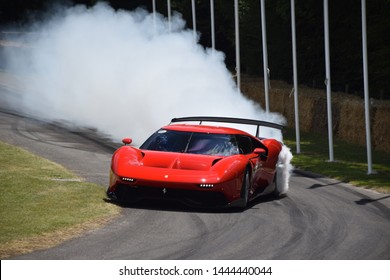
{"x": 230, "y": 120}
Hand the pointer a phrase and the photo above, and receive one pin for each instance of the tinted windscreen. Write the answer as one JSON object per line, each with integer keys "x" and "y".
{"x": 167, "y": 141}
{"x": 193, "y": 143}
{"x": 212, "y": 144}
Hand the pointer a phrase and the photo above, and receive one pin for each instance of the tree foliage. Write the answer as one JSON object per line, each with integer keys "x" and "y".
{"x": 345, "y": 36}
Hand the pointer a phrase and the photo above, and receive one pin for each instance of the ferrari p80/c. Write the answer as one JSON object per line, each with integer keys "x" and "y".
{"x": 200, "y": 165}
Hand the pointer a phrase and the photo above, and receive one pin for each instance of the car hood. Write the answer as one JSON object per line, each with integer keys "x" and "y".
{"x": 179, "y": 167}
{"x": 178, "y": 160}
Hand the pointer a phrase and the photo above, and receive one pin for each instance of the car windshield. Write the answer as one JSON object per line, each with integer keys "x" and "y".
{"x": 192, "y": 143}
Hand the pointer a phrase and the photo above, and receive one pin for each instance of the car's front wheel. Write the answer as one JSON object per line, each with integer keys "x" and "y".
{"x": 245, "y": 189}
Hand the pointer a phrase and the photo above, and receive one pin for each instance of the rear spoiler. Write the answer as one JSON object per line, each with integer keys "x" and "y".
{"x": 230, "y": 120}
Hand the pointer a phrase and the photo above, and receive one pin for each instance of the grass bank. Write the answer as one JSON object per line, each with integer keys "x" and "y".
{"x": 350, "y": 164}
{"x": 42, "y": 204}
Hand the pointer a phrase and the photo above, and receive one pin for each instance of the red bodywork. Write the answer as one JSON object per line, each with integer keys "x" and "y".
{"x": 195, "y": 179}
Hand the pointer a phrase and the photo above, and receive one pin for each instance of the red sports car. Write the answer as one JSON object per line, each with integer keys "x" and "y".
{"x": 199, "y": 165}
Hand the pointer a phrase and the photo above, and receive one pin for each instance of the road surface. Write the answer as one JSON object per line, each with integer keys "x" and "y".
{"x": 319, "y": 219}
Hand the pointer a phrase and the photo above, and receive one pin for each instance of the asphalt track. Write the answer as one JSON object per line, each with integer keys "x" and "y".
{"x": 319, "y": 219}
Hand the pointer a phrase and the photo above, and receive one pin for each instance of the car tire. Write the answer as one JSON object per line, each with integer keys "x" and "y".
{"x": 245, "y": 189}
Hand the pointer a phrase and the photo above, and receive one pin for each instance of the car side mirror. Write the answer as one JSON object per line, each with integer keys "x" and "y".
{"x": 127, "y": 141}
{"x": 261, "y": 152}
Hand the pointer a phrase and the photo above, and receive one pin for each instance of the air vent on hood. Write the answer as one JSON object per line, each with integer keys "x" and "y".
{"x": 215, "y": 161}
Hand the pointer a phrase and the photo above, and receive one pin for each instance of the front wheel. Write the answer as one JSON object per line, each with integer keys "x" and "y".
{"x": 245, "y": 189}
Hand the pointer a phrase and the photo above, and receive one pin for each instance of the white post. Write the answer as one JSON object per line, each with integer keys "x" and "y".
{"x": 193, "y": 19}
{"x": 328, "y": 81}
{"x": 212, "y": 24}
{"x": 366, "y": 88}
{"x": 265, "y": 56}
{"x": 238, "y": 69}
{"x": 169, "y": 15}
{"x": 295, "y": 71}
{"x": 154, "y": 14}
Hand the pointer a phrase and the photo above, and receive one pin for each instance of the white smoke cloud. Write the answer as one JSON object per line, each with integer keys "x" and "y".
{"x": 284, "y": 169}
{"x": 125, "y": 73}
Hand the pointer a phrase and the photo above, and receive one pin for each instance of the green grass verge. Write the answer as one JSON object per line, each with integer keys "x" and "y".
{"x": 350, "y": 164}
{"x": 42, "y": 204}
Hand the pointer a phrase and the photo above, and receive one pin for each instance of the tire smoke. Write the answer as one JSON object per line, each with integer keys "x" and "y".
{"x": 124, "y": 73}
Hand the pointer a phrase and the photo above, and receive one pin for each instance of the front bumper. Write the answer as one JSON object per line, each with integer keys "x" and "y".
{"x": 193, "y": 198}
